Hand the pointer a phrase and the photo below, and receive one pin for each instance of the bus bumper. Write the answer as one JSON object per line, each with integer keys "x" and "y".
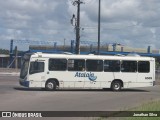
{"x": 24, "y": 83}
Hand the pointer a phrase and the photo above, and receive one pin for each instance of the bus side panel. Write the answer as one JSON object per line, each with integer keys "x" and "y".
{"x": 98, "y": 80}
{"x": 146, "y": 79}
{"x": 129, "y": 79}
{"x": 93, "y": 80}
{"x": 66, "y": 79}
{"x": 108, "y": 78}
{"x": 152, "y": 71}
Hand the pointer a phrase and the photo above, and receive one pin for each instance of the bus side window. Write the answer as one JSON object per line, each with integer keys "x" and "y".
{"x": 144, "y": 66}
{"x": 76, "y": 65}
{"x": 57, "y": 64}
{"x": 111, "y": 66}
{"x": 94, "y": 65}
{"x": 129, "y": 66}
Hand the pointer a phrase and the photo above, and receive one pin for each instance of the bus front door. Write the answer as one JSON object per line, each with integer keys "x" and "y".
{"x": 36, "y": 74}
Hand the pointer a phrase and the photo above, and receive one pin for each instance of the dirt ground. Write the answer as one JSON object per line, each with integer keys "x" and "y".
{"x": 157, "y": 78}
{"x": 9, "y": 70}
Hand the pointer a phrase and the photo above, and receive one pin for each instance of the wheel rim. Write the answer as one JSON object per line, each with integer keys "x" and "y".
{"x": 50, "y": 85}
{"x": 116, "y": 86}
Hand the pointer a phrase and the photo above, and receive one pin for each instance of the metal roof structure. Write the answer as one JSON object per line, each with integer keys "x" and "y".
{"x": 101, "y": 53}
{"x": 126, "y": 53}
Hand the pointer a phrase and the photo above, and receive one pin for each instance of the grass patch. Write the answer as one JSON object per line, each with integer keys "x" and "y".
{"x": 151, "y": 106}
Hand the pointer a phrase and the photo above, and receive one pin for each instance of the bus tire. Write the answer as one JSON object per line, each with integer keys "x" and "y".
{"x": 50, "y": 85}
{"x": 116, "y": 86}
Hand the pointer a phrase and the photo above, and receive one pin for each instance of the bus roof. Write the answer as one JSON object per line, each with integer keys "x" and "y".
{"x": 89, "y": 56}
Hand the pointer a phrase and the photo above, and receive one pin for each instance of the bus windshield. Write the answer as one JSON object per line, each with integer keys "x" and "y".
{"x": 24, "y": 69}
{"x": 25, "y": 65}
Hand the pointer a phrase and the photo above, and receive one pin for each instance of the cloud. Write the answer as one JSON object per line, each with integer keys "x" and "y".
{"x": 130, "y": 22}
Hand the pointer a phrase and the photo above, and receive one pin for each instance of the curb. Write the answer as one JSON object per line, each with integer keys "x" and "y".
{"x": 9, "y": 74}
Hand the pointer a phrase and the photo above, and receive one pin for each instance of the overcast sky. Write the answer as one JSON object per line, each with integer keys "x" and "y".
{"x": 134, "y": 23}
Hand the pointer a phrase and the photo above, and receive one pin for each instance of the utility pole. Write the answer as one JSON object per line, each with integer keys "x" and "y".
{"x": 16, "y": 58}
{"x": 77, "y": 25}
{"x": 99, "y": 26}
{"x": 64, "y": 46}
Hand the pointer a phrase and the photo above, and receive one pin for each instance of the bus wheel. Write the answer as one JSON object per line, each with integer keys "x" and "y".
{"x": 50, "y": 85}
{"x": 116, "y": 86}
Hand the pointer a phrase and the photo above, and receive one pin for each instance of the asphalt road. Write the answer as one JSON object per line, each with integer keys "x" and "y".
{"x": 13, "y": 97}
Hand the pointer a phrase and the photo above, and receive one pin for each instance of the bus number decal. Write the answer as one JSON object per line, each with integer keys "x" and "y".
{"x": 148, "y": 78}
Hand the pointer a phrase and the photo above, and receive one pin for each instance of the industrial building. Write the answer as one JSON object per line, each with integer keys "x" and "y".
{"x": 12, "y": 58}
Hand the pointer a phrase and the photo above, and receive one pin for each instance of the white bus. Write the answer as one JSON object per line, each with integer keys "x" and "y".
{"x": 59, "y": 71}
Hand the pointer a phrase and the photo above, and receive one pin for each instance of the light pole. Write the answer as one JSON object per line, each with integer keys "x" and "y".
{"x": 77, "y": 25}
{"x": 78, "y": 29}
{"x": 99, "y": 26}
